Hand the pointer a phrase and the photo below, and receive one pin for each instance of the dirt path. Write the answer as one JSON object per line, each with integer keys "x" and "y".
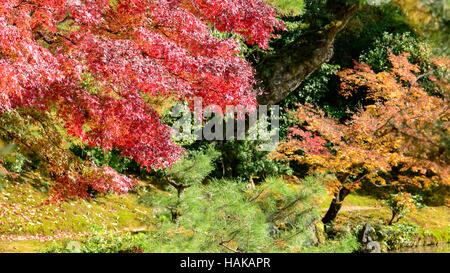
{"x": 354, "y": 208}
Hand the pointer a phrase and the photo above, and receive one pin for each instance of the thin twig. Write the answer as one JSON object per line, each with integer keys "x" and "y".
{"x": 256, "y": 197}
{"x": 223, "y": 243}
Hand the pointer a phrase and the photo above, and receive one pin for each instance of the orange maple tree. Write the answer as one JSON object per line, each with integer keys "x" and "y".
{"x": 398, "y": 138}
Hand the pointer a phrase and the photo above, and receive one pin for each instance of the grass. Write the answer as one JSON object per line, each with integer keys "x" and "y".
{"x": 430, "y": 218}
{"x": 433, "y": 221}
{"x": 23, "y": 212}
{"x": 354, "y": 200}
{"x": 28, "y": 246}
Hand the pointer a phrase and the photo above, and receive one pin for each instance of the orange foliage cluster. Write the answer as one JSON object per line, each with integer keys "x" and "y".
{"x": 403, "y": 201}
{"x": 398, "y": 138}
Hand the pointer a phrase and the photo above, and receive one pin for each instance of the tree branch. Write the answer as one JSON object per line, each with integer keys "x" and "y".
{"x": 224, "y": 244}
{"x": 179, "y": 187}
{"x": 282, "y": 72}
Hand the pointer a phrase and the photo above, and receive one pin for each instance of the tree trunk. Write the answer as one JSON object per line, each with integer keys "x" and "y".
{"x": 282, "y": 72}
{"x": 335, "y": 206}
{"x": 392, "y": 219}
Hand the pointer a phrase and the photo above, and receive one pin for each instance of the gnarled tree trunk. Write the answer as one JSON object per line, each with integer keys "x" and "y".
{"x": 282, "y": 72}
{"x": 335, "y": 206}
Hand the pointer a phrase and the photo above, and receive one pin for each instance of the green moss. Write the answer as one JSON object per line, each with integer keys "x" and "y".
{"x": 433, "y": 222}
{"x": 23, "y": 212}
{"x": 288, "y": 7}
{"x": 26, "y": 246}
{"x": 354, "y": 200}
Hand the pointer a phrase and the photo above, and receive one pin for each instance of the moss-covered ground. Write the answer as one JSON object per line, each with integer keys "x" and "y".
{"x": 27, "y": 224}
{"x": 434, "y": 222}
{"x": 24, "y": 214}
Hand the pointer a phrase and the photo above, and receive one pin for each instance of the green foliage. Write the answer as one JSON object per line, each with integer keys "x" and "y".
{"x": 439, "y": 33}
{"x": 3, "y": 184}
{"x": 430, "y": 237}
{"x": 226, "y": 216}
{"x": 242, "y": 159}
{"x": 401, "y": 235}
{"x": 401, "y": 204}
{"x": 101, "y": 241}
{"x": 194, "y": 167}
{"x": 312, "y": 90}
{"x": 320, "y": 88}
{"x": 246, "y": 160}
{"x": 367, "y": 25}
{"x": 377, "y": 56}
{"x": 348, "y": 243}
{"x": 12, "y": 159}
{"x": 288, "y": 7}
{"x": 300, "y": 17}
{"x": 205, "y": 220}
{"x": 111, "y": 158}
{"x": 420, "y": 54}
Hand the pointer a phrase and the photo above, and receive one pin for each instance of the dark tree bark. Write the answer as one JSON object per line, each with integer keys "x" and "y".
{"x": 337, "y": 201}
{"x": 179, "y": 187}
{"x": 394, "y": 214}
{"x": 282, "y": 72}
{"x": 335, "y": 206}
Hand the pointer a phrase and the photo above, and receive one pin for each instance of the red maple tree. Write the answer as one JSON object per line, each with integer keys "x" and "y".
{"x": 98, "y": 63}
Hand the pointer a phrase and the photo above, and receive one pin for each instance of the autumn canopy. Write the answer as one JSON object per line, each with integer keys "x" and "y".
{"x": 98, "y": 63}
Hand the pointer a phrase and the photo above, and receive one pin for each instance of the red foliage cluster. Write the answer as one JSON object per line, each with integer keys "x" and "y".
{"x": 100, "y": 179}
{"x": 99, "y": 63}
{"x": 309, "y": 143}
